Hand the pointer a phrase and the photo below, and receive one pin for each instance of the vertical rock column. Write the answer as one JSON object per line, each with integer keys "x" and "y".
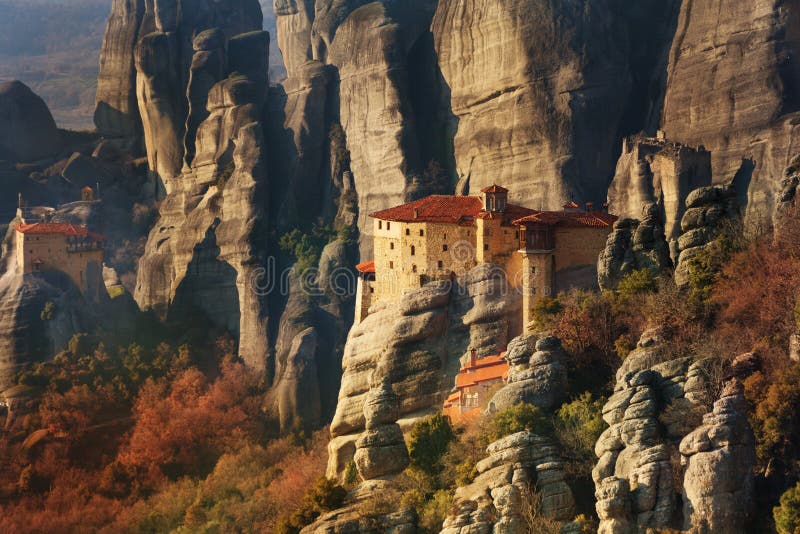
{"x": 381, "y": 450}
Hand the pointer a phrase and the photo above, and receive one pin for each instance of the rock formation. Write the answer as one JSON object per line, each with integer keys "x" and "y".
{"x": 634, "y": 245}
{"x": 27, "y": 129}
{"x": 750, "y": 128}
{"x": 417, "y": 343}
{"x": 657, "y": 406}
{"x": 536, "y": 93}
{"x": 204, "y": 254}
{"x": 146, "y": 87}
{"x": 538, "y": 378}
{"x": 712, "y": 213}
{"x": 655, "y": 170}
{"x": 719, "y": 457}
{"x": 381, "y": 451}
{"x": 515, "y": 466}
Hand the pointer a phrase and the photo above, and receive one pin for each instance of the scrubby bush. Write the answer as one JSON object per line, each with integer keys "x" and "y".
{"x": 787, "y": 515}
{"x": 306, "y": 247}
{"x": 636, "y": 283}
{"x": 578, "y": 424}
{"x": 515, "y": 419}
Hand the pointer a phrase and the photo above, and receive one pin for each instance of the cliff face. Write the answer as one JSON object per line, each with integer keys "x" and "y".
{"x": 748, "y": 124}
{"x": 537, "y": 93}
{"x": 27, "y": 129}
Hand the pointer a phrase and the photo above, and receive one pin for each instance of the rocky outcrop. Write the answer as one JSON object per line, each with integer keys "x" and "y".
{"x": 537, "y": 377}
{"x": 417, "y": 343}
{"x": 712, "y": 214}
{"x": 656, "y": 415}
{"x": 719, "y": 458}
{"x": 381, "y": 451}
{"x": 656, "y": 170}
{"x": 497, "y": 498}
{"x": 27, "y": 129}
{"x": 204, "y": 253}
{"x": 750, "y": 128}
{"x": 537, "y": 91}
{"x": 145, "y": 68}
{"x": 634, "y": 245}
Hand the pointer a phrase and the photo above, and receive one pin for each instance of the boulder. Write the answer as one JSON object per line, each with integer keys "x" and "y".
{"x": 27, "y": 129}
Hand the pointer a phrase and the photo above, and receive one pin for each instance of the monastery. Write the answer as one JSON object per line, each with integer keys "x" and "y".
{"x": 69, "y": 248}
{"x": 440, "y": 237}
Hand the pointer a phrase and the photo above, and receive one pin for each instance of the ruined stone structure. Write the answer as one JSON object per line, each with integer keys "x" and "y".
{"x": 657, "y": 170}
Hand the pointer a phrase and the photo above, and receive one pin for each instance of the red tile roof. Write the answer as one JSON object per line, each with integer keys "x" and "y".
{"x": 434, "y": 208}
{"x": 484, "y": 370}
{"x": 448, "y": 209}
{"x": 70, "y": 230}
{"x": 571, "y": 205}
{"x": 595, "y": 219}
{"x": 494, "y": 189}
{"x": 366, "y": 267}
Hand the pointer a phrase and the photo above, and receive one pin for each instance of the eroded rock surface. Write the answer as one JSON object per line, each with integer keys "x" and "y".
{"x": 712, "y": 214}
{"x": 494, "y": 501}
{"x": 750, "y": 128}
{"x": 658, "y": 401}
{"x": 537, "y": 374}
{"x": 634, "y": 245}
{"x": 417, "y": 342}
{"x": 656, "y": 170}
{"x": 381, "y": 450}
{"x": 719, "y": 457}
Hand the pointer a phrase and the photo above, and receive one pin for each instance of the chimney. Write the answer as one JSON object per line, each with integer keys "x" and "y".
{"x": 589, "y": 206}
{"x": 416, "y": 213}
{"x": 605, "y": 207}
{"x": 473, "y": 357}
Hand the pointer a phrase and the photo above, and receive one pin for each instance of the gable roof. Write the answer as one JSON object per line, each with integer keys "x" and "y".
{"x": 494, "y": 188}
{"x": 592, "y": 219}
{"x": 434, "y": 208}
{"x": 485, "y": 369}
{"x": 69, "y": 230}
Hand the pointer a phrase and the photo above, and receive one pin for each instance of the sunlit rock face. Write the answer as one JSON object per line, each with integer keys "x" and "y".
{"x": 748, "y": 123}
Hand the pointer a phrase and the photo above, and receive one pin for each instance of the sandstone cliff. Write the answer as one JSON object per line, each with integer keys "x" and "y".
{"x": 748, "y": 125}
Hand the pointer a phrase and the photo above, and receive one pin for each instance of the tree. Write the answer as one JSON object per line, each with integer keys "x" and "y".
{"x": 428, "y": 443}
{"x": 787, "y": 515}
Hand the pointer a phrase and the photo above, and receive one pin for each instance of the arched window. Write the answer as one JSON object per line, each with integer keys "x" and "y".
{"x": 413, "y": 250}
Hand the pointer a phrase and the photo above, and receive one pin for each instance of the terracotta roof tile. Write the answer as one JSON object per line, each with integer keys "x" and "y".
{"x": 366, "y": 267}
{"x": 434, "y": 208}
{"x": 494, "y": 188}
{"x": 484, "y": 370}
{"x": 596, "y": 219}
{"x": 70, "y": 230}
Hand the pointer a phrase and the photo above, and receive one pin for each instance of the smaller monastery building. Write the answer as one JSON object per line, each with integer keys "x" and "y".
{"x": 476, "y": 384}
{"x": 444, "y": 236}
{"x": 68, "y": 248}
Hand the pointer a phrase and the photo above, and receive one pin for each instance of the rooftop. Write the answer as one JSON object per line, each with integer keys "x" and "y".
{"x": 596, "y": 219}
{"x": 366, "y": 267}
{"x": 450, "y": 209}
{"x": 484, "y": 370}
{"x": 70, "y": 230}
{"x": 494, "y": 189}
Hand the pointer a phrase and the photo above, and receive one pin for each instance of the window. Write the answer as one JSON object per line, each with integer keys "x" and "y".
{"x": 372, "y": 290}
{"x": 391, "y": 246}
{"x": 408, "y": 231}
{"x": 444, "y": 248}
{"x": 441, "y": 265}
{"x": 413, "y": 268}
{"x": 388, "y": 225}
{"x": 413, "y": 250}
{"x": 380, "y": 225}
{"x": 421, "y": 232}
{"x": 486, "y": 246}
{"x": 391, "y": 265}
{"x": 533, "y": 270}
{"x": 516, "y": 234}
{"x": 444, "y": 237}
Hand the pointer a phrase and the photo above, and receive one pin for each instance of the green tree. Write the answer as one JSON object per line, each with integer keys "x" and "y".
{"x": 787, "y": 515}
{"x": 428, "y": 443}
{"x": 517, "y": 418}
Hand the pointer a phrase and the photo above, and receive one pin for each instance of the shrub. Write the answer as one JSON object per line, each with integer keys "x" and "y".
{"x": 428, "y": 442}
{"x": 545, "y": 310}
{"x": 578, "y": 424}
{"x": 323, "y": 496}
{"x": 636, "y": 283}
{"x": 517, "y": 418}
{"x": 306, "y": 247}
{"x": 787, "y": 515}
